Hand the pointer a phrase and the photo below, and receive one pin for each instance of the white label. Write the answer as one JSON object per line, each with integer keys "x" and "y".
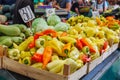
{"x": 50, "y": 11}
{"x": 26, "y": 14}
{"x": 95, "y": 14}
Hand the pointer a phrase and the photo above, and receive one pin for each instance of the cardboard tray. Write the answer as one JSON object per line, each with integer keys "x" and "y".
{"x": 94, "y": 63}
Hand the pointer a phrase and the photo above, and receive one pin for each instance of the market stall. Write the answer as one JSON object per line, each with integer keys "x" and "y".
{"x": 49, "y": 48}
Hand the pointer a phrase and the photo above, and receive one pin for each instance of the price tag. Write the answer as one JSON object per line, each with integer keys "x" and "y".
{"x": 95, "y": 14}
{"x": 50, "y": 11}
{"x": 26, "y": 14}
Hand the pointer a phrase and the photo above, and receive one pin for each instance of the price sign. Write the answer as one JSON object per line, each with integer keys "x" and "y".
{"x": 26, "y": 14}
{"x": 95, "y": 14}
{"x": 50, "y": 11}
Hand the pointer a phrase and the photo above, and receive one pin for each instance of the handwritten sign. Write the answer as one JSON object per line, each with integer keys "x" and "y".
{"x": 50, "y": 11}
{"x": 26, "y": 14}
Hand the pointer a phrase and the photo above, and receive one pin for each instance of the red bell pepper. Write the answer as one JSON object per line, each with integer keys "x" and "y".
{"x": 31, "y": 45}
{"x": 105, "y": 45}
{"x": 79, "y": 44}
{"x": 85, "y": 58}
{"x": 37, "y": 57}
{"x": 85, "y": 43}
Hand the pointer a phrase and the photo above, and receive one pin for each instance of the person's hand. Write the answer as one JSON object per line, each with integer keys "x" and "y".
{"x": 57, "y": 7}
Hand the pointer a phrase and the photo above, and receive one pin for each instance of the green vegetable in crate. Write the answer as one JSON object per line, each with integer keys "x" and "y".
{"x": 17, "y": 40}
{"x": 74, "y": 54}
{"x": 24, "y": 54}
{"x": 56, "y": 46}
{"x": 37, "y": 65}
{"x": 62, "y": 26}
{"x": 28, "y": 32}
{"x": 39, "y": 42}
{"x": 14, "y": 54}
{"x": 7, "y": 42}
{"x": 9, "y": 30}
{"x": 26, "y": 60}
{"x": 53, "y": 20}
{"x": 22, "y": 35}
{"x": 3, "y": 18}
{"x": 22, "y": 27}
{"x": 24, "y": 45}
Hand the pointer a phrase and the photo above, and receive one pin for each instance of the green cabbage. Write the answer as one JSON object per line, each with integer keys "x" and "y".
{"x": 62, "y": 27}
{"x": 39, "y": 24}
{"x": 53, "y": 20}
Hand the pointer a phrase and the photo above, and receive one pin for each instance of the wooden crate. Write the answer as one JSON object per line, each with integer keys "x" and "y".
{"x": 1, "y": 55}
{"x": 28, "y": 71}
{"x": 94, "y": 63}
{"x": 97, "y": 61}
{"x": 110, "y": 51}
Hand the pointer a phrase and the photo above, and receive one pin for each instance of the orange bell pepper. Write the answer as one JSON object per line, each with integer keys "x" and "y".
{"x": 66, "y": 48}
{"x": 85, "y": 43}
{"x": 47, "y": 55}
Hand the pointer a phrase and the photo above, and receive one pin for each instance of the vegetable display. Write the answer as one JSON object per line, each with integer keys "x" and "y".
{"x": 84, "y": 40}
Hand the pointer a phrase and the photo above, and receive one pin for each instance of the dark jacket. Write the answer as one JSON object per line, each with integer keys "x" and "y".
{"x": 21, "y": 4}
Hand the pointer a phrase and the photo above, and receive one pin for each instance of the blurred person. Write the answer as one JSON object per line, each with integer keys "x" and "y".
{"x": 7, "y": 2}
{"x": 19, "y": 5}
{"x": 64, "y": 5}
{"x": 76, "y": 6}
{"x": 101, "y": 6}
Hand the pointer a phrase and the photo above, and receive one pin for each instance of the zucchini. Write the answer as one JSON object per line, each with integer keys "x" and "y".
{"x": 10, "y": 30}
{"x": 7, "y": 42}
{"x": 16, "y": 40}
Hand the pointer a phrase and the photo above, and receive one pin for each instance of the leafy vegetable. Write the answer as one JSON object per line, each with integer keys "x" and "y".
{"x": 53, "y": 20}
{"x": 61, "y": 27}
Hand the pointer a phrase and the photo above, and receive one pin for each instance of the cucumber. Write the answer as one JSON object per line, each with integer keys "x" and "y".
{"x": 10, "y": 30}
{"x": 7, "y": 42}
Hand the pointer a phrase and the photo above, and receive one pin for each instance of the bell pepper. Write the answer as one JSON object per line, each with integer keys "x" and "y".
{"x": 24, "y": 54}
{"x": 79, "y": 63}
{"x": 39, "y": 42}
{"x": 40, "y": 50}
{"x": 63, "y": 34}
{"x": 55, "y": 66}
{"x": 55, "y": 57}
{"x": 85, "y": 58}
{"x": 103, "y": 49}
{"x": 47, "y": 55}
{"x": 37, "y": 57}
{"x": 74, "y": 54}
{"x": 24, "y": 45}
{"x": 66, "y": 48}
{"x": 56, "y": 46}
{"x": 85, "y": 50}
{"x": 26, "y": 60}
{"x": 37, "y": 65}
{"x": 86, "y": 43}
{"x": 67, "y": 39}
{"x": 14, "y": 54}
{"x": 31, "y": 45}
{"x": 46, "y": 32}
{"x": 79, "y": 44}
